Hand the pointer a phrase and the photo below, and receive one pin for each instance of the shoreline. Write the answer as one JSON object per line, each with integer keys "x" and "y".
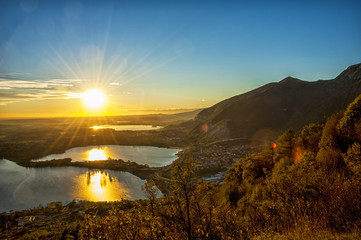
{"x": 142, "y": 171}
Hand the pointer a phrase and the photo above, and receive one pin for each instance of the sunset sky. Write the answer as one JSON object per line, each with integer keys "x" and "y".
{"x": 151, "y": 56}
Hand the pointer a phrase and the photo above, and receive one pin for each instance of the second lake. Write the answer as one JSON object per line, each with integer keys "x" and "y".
{"x": 153, "y": 156}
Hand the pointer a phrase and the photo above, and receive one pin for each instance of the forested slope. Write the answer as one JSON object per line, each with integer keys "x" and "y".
{"x": 305, "y": 186}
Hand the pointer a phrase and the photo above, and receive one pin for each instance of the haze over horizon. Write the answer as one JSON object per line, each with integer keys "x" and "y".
{"x": 152, "y": 56}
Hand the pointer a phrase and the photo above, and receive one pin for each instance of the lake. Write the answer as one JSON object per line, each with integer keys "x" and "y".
{"x": 21, "y": 187}
{"x": 128, "y": 127}
{"x": 153, "y": 156}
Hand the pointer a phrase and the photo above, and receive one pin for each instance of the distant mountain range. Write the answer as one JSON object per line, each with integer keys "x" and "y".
{"x": 265, "y": 112}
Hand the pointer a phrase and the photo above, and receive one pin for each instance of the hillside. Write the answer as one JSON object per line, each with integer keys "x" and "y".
{"x": 306, "y": 186}
{"x": 275, "y": 107}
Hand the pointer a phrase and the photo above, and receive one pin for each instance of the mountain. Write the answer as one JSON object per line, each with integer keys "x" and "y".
{"x": 275, "y": 107}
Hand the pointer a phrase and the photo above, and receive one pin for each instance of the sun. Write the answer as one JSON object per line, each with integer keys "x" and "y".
{"x": 94, "y": 98}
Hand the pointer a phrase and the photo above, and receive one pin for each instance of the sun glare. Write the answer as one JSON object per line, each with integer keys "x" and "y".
{"x": 94, "y": 98}
{"x": 97, "y": 154}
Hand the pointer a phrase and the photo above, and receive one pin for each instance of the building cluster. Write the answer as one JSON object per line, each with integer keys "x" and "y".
{"x": 218, "y": 156}
{"x": 37, "y": 217}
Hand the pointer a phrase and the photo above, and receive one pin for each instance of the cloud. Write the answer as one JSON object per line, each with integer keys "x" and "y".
{"x": 37, "y": 84}
{"x": 14, "y": 90}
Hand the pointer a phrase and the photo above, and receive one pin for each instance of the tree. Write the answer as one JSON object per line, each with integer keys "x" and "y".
{"x": 284, "y": 146}
{"x": 310, "y": 137}
{"x": 353, "y": 158}
{"x": 329, "y": 153}
{"x": 349, "y": 127}
{"x": 351, "y": 117}
{"x": 184, "y": 184}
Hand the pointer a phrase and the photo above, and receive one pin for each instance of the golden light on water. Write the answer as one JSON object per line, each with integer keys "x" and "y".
{"x": 97, "y": 154}
{"x": 97, "y": 184}
{"x": 100, "y": 186}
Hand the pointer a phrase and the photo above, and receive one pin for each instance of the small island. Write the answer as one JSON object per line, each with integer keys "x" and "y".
{"x": 142, "y": 171}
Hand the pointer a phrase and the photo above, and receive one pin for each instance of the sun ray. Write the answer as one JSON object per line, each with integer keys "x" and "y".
{"x": 80, "y": 122}
{"x": 62, "y": 137}
{"x": 112, "y": 134}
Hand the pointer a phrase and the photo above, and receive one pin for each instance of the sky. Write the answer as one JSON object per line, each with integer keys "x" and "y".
{"x": 159, "y": 56}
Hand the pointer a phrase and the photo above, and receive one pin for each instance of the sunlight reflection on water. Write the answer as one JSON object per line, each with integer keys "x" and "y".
{"x": 153, "y": 156}
{"x": 100, "y": 186}
{"x": 22, "y": 187}
{"x": 97, "y": 154}
{"x": 128, "y": 127}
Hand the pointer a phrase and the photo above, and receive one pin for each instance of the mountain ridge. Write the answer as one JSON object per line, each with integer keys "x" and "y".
{"x": 277, "y": 106}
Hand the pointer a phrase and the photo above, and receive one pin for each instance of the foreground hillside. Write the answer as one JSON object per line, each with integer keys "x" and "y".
{"x": 307, "y": 185}
{"x": 275, "y": 107}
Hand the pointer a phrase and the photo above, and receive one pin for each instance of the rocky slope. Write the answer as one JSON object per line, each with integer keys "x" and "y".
{"x": 269, "y": 110}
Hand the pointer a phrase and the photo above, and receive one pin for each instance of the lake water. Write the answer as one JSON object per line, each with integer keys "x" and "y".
{"x": 128, "y": 127}
{"x": 153, "y": 156}
{"x": 21, "y": 187}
